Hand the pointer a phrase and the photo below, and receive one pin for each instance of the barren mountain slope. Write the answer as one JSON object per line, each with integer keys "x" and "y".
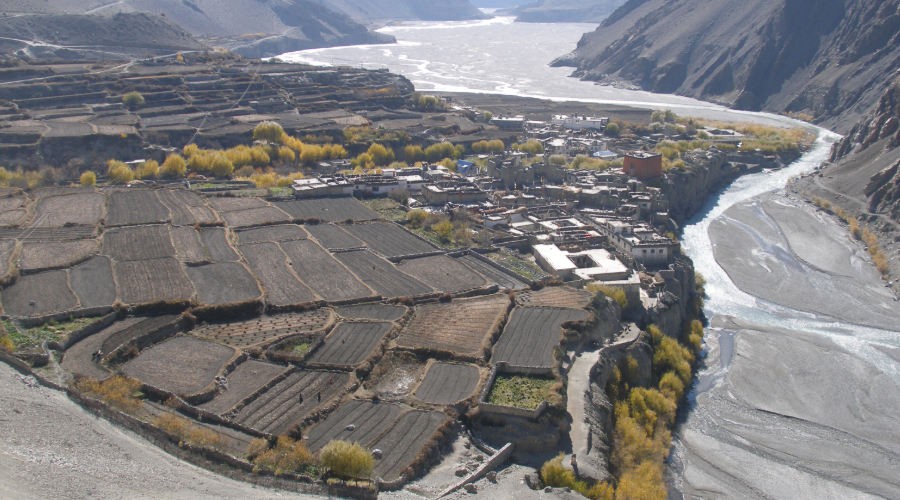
{"x": 565, "y": 11}
{"x": 828, "y": 58}
{"x": 426, "y": 10}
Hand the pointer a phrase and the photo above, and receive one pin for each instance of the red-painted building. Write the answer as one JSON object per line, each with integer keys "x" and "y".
{"x": 642, "y": 165}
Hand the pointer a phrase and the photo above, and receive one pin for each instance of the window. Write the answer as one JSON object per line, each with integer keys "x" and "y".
{"x": 644, "y": 251}
{"x": 375, "y": 188}
{"x": 653, "y": 251}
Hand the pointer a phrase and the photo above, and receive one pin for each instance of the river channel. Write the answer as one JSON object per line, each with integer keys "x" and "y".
{"x": 800, "y": 389}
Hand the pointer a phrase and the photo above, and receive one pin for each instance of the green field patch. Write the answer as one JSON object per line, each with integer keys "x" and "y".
{"x": 27, "y": 338}
{"x": 521, "y": 391}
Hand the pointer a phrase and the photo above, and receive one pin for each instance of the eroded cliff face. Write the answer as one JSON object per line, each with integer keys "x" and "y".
{"x": 830, "y": 59}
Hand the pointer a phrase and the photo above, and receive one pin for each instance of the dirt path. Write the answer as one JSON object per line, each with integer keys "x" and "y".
{"x": 578, "y": 385}
{"x": 53, "y": 448}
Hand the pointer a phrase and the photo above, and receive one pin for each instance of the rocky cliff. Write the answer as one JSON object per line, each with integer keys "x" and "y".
{"x": 564, "y": 11}
{"x": 830, "y": 59}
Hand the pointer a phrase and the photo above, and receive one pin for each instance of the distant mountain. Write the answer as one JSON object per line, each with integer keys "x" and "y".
{"x": 832, "y": 59}
{"x": 565, "y": 11}
{"x": 497, "y": 4}
{"x": 406, "y": 10}
{"x": 251, "y": 28}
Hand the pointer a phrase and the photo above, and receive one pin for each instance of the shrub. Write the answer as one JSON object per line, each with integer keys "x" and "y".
{"x": 412, "y": 154}
{"x": 221, "y": 166}
{"x": 612, "y": 130}
{"x": 692, "y": 335}
{"x": 147, "y": 170}
{"x": 133, "y": 100}
{"x": 174, "y": 167}
{"x": 555, "y": 474}
{"x": 119, "y": 172}
{"x": 617, "y": 294}
{"x": 268, "y": 131}
{"x": 186, "y": 432}
{"x": 381, "y": 155}
{"x": 116, "y": 391}
{"x": 288, "y": 456}
{"x": 88, "y": 178}
{"x": 347, "y": 460}
{"x": 558, "y": 160}
{"x": 6, "y": 344}
{"x": 444, "y": 230}
{"x": 669, "y": 355}
{"x": 416, "y": 217}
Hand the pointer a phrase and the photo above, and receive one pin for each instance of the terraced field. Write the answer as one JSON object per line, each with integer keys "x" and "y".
{"x": 503, "y": 280}
{"x": 369, "y": 421}
{"x": 223, "y": 282}
{"x": 243, "y": 381}
{"x": 255, "y": 217}
{"x": 349, "y": 344}
{"x": 328, "y": 209}
{"x": 405, "y": 441}
{"x": 93, "y": 282}
{"x": 463, "y": 326}
{"x": 182, "y": 365}
{"x": 389, "y": 240}
{"x": 444, "y": 274}
{"x": 79, "y": 359}
{"x": 233, "y": 204}
{"x": 145, "y": 281}
{"x": 186, "y": 208}
{"x": 39, "y": 256}
{"x": 59, "y": 191}
{"x": 12, "y": 217}
{"x": 139, "y": 206}
{"x": 447, "y": 383}
{"x": 188, "y": 247}
{"x": 381, "y": 276}
{"x": 531, "y": 334}
{"x": 12, "y": 203}
{"x": 555, "y": 296}
{"x": 48, "y": 233}
{"x": 138, "y": 329}
{"x": 270, "y": 265}
{"x": 281, "y": 232}
{"x": 381, "y": 312}
{"x": 332, "y": 237}
{"x": 57, "y": 211}
{"x": 138, "y": 243}
{"x": 265, "y": 329}
{"x": 36, "y": 294}
{"x": 216, "y": 243}
{"x": 278, "y": 408}
{"x": 321, "y": 272}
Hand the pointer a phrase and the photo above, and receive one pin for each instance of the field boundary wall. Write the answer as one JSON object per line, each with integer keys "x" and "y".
{"x": 87, "y": 331}
{"x": 486, "y": 407}
{"x": 29, "y": 321}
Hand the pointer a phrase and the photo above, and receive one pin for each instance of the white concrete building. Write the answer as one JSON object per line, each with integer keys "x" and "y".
{"x": 588, "y": 265}
{"x": 575, "y": 122}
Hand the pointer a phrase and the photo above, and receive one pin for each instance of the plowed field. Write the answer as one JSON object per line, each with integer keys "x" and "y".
{"x": 138, "y": 329}
{"x": 79, "y": 358}
{"x": 93, "y": 282}
{"x": 37, "y": 256}
{"x": 12, "y": 217}
{"x": 503, "y": 280}
{"x": 447, "y": 383}
{"x": 349, "y": 344}
{"x": 373, "y": 311}
{"x": 182, "y": 365}
{"x": 186, "y": 208}
{"x": 255, "y": 217}
{"x": 531, "y": 334}
{"x": 284, "y": 232}
{"x": 223, "y": 282}
{"x": 217, "y": 246}
{"x": 405, "y": 441}
{"x": 555, "y": 296}
{"x": 390, "y": 240}
{"x": 321, "y": 272}
{"x": 246, "y": 379}
{"x": 443, "y": 273}
{"x": 138, "y": 243}
{"x": 56, "y": 211}
{"x": 49, "y": 233}
{"x": 48, "y": 291}
{"x": 12, "y": 203}
{"x": 233, "y": 204}
{"x": 278, "y": 408}
{"x": 370, "y": 420}
{"x": 141, "y": 206}
{"x": 333, "y": 237}
{"x": 188, "y": 247}
{"x": 328, "y": 209}
{"x": 143, "y": 281}
{"x": 62, "y": 190}
{"x": 462, "y": 326}
{"x": 269, "y": 264}
{"x": 381, "y": 276}
{"x": 265, "y": 329}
